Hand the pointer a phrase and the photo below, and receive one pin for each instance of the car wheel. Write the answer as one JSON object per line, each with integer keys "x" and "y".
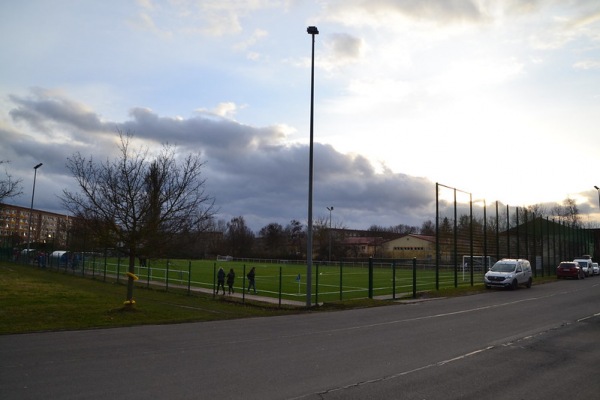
{"x": 515, "y": 285}
{"x": 528, "y": 285}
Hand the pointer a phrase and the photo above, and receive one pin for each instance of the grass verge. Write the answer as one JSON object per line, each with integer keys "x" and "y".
{"x": 35, "y": 300}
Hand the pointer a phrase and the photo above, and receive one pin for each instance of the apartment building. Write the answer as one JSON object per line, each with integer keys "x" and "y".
{"x": 46, "y": 227}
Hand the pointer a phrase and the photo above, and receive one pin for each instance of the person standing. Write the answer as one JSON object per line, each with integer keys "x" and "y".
{"x": 230, "y": 280}
{"x": 221, "y": 280}
{"x": 251, "y": 276}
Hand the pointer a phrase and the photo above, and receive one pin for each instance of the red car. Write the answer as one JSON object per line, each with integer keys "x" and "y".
{"x": 569, "y": 269}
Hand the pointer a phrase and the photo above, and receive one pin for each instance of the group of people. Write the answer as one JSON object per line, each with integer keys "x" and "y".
{"x": 231, "y": 279}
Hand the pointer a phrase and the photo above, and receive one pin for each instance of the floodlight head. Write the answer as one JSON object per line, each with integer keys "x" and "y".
{"x": 312, "y": 30}
{"x": 37, "y": 166}
{"x": 597, "y": 188}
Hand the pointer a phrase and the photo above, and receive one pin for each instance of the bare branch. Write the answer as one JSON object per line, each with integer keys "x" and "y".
{"x": 9, "y": 187}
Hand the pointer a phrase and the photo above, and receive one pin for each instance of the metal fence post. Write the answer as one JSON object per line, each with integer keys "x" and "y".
{"x": 244, "y": 284}
{"x": 148, "y": 273}
{"x": 341, "y": 281}
{"x": 279, "y": 286}
{"x": 167, "y": 277}
{"x": 317, "y": 285}
{"x": 394, "y": 280}
{"x": 118, "y": 267}
{"x": 370, "y": 277}
{"x": 214, "y": 279}
{"x": 189, "y": 277}
{"x": 414, "y": 283}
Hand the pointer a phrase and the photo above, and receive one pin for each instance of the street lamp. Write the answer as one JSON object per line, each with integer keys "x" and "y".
{"x": 330, "y": 210}
{"x": 598, "y": 189}
{"x": 31, "y": 208}
{"x": 311, "y": 30}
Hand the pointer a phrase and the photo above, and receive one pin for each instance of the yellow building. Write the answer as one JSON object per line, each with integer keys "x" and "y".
{"x": 410, "y": 246}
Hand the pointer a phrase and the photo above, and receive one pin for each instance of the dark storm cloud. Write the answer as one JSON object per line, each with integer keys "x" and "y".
{"x": 43, "y": 111}
{"x": 222, "y": 136}
{"x": 252, "y": 172}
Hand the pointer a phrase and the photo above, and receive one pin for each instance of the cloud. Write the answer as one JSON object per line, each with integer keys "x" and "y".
{"x": 209, "y": 17}
{"x": 251, "y": 171}
{"x": 45, "y": 109}
{"x": 383, "y": 12}
{"x": 254, "y": 38}
{"x": 587, "y": 64}
{"x": 345, "y": 48}
{"x": 225, "y": 110}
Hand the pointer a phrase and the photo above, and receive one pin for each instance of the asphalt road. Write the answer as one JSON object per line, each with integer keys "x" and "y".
{"x": 536, "y": 343}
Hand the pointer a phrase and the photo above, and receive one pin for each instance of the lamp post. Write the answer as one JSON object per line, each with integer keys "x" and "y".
{"x": 598, "y": 189}
{"x": 311, "y": 30}
{"x": 31, "y": 209}
{"x": 330, "y": 210}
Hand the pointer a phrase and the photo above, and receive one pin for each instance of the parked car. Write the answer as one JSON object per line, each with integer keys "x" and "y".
{"x": 509, "y": 273}
{"x": 595, "y": 269}
{"x": 585, "y": 264}
{"x": 569, "y": 269}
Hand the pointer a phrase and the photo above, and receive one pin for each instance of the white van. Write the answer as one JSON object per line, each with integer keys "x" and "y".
{"x": 509, "y": 273}
{"x": 585, "y": 264}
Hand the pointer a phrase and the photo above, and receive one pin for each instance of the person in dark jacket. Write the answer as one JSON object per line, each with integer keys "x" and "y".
{"x": 251, "y": 276}
{"x": 230, "y": 280}
{"x": 221, "y": 280}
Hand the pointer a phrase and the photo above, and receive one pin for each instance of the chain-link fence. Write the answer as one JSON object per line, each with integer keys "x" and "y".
{"x": 472, "y": 234}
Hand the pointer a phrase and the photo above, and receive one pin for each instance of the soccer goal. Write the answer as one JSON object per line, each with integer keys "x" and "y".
{"x": 224, "y": 258}
{"x": 480, "y": 264}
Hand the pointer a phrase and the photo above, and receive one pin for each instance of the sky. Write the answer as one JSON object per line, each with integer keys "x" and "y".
{"x": 497, "y": 98}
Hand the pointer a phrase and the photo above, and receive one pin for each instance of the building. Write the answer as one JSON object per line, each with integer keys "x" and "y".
{"x": 359, "y": 247}
{"x": 46, "y": 227}
{"x": 410, "y": 246}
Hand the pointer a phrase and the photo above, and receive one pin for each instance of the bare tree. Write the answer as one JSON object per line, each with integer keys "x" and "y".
{"x": 427, "y": 228}
{"x": 296, "y": 237}
{"x": 538, "y": 210}
{"x": 239, "y": 238}
{"x": 8, "y": 186}
{"x": 274, "y": 240}
{"x": 399, "y": 229}
{"x": 567, "y": 212}
{"x": 138, "y": 202}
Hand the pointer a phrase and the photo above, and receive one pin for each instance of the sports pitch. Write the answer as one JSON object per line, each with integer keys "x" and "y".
{"x": 289, "y": 281}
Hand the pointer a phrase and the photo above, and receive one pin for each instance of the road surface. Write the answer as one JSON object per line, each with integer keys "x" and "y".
{"x": 536, "y": 343}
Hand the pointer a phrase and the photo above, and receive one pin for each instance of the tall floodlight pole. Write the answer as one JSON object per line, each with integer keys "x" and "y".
{"x": 31, "y": 208}
{"x": 312, "y": 30}
{"x": 330, "y": 210}
{"x": 598, "y": 189}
